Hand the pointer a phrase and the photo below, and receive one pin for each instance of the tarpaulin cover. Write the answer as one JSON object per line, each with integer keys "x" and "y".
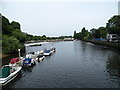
{"x": 14, "y": 60}
{"x": 4, "y": 72}
{"x": 47, "y": 51}
{"x": 27, "y": 61}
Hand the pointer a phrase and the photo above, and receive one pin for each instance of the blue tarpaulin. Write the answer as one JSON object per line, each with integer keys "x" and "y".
{"x": 47, "y": 51}
{"x": 27, "y": 61}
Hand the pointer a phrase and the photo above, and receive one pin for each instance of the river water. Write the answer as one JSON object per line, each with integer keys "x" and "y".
{"x": 75, "y": 64}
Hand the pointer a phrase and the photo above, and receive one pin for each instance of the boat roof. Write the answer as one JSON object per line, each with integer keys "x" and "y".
{"x": 14, "y": 60}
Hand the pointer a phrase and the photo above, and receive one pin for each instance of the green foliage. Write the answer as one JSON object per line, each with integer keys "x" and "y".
{"x": 102, "y": 32}
{"x": 62, "y": 37}
{"x": 12, "y": 37}
{"x": 83, "y": 35}
{"x": 99, "y": 33}
{"x": 5, "y": 21}
{"x": 22, "y": 37}
{"x": 5, "y": 26}
{"x": 10, "y": 44}
{"x": 15, "y": 25}
{"x": 113, "y": 25}
{"x": 76, "y": 35}
{"x": 44, "y": 37}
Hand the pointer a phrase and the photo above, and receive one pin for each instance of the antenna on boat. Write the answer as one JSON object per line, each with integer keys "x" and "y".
{"x": 19, "y": 53}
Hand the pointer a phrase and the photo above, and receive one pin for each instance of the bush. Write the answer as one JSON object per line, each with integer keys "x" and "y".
{"x": 10, "y": 44}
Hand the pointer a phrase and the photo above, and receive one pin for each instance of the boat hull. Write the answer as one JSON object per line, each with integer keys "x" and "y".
{"x": 47, "y": 54}
{"x": 41, "y": 58}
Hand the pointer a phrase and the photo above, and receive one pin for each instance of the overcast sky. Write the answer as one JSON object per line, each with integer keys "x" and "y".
{"x": 58, "y": 18}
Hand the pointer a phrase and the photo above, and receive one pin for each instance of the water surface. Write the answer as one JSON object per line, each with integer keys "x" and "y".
{"x": 75, "y": 64}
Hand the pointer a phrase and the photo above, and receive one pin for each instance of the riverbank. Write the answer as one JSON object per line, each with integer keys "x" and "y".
{"x": 53, "y": 40}
{"x": 109, "y": 44}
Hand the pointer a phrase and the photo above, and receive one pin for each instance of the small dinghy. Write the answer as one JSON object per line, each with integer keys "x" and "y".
{"x": 39, "y": 53}
{"x": 52, "y": 50}
{"x": 8, "y": 73}
{"x": 40, "y": 57}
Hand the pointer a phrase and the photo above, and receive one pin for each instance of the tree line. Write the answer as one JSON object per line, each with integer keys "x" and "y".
{"x": 112, "y": 27}
{"x": 13, "y": 38}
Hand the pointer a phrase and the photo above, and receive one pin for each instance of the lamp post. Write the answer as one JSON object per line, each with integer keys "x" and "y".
{"x": 19, "y": 53}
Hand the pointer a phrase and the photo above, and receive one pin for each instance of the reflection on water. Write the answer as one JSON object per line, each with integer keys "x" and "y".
{"x": 113, "y": 65}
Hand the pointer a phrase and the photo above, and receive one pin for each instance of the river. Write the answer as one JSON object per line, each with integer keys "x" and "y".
{"x": 75, "y": 64}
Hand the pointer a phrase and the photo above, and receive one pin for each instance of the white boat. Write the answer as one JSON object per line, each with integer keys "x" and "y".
{"x": 30, "y": 55}
{"x": 40, "y": 57}
{"x": 16, "y": 61}
{"x": 39, "y": 53}
{"x": 8, "y": 73}
{"x": 47, "y": 52}
{"x": 52, "y": 50}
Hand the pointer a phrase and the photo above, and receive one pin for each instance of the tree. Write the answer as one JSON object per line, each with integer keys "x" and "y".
{"x": 113, "y": 25}
{"x": 5, "y": 26}
{"x": 83, "y": 30}
{"x": 5, "y": 21}
{"x": 44, "y": 37}
{"x": 7, "y": 30}
{"x": 84, "y": 34}
{"x": 93, "y": 30}
{"x": 74, "y": 35}
{"x": 29, "y": 37}
{"x": 102, "y": 31}
{"x": 10, "y": 44}
{"x": 98, "y": 33}
{"x": 22, "y": 37}
{"x": 15, "y": 25}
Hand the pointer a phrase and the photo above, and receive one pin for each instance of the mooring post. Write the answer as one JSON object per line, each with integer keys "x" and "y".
{"x": 19, "y": 53}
